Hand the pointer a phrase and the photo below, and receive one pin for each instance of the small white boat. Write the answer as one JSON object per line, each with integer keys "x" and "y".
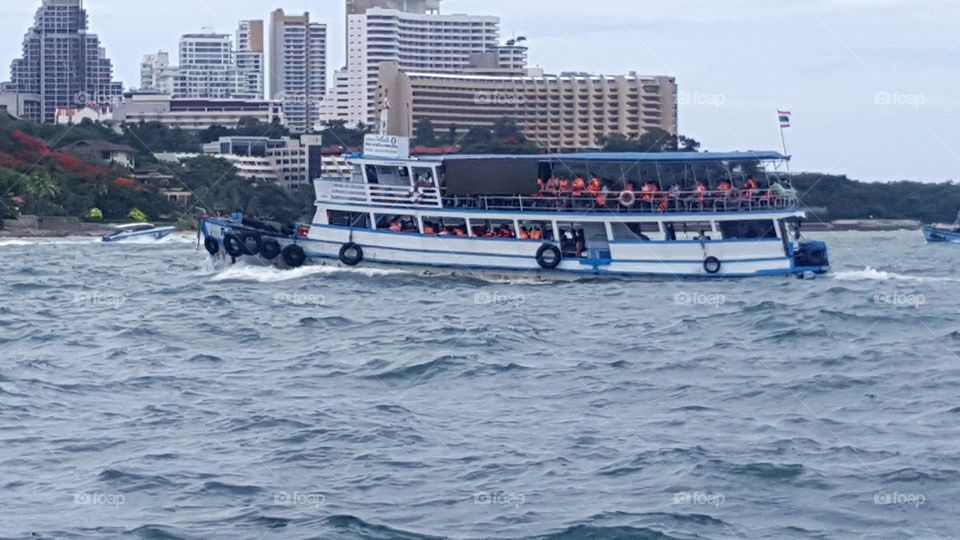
{"x": 137, "y": 230}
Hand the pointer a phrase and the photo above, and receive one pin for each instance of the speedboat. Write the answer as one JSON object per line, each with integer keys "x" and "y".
{"x": 138, "y": 230}
{"x": 940, "y": 235}
{"x": 497, "y": 213}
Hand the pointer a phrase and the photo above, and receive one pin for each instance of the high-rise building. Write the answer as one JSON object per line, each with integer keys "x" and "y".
{"x": 62, "y": 63}
{"x": 560, "y": 113}
{"x": 250, "y": 59}
{"x": 156, "y": 72}
{"x": 298, "y": 67}
{"x": 414, "y": 35}
{"x": 206, "y": 67}
{"x": 210, "y": 67}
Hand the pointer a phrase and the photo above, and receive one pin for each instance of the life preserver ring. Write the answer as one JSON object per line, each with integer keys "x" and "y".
{"x": 551, "y": 261}
{"x": 212, "y": 245}
{"x": 233, "y": 245}
{"x": 712, "y": 265}
{"x": 270, "y": 249}
{"x": 351, "y": 254}
{"x": 627, "y": 198}
{"x": 294, "y": 256}
{"x": 251, "y": 242}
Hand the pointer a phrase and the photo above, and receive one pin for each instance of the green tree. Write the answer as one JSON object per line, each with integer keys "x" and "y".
{"x": 41, "y": 186}
{"x": 137, "y": 215}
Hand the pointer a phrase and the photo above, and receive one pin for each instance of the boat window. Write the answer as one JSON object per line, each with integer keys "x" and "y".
{"x": 687, "y": 230}
{"x": 388, "y": 176}
{"x": 445, "y": 226}
{"x": 492, "y": 228}
{"x": 572, "y": 239}
{"x": 641, "y": 231}
{"x": 423, "y": 178}
{"x": 348, "y": 219}
{"x": 535, "y": 230}
{"x": 396, "y": 223}
{"x": 748, "y": 229}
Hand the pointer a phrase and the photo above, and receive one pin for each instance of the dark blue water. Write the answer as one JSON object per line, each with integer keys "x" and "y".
{"x": 144, "y": 393}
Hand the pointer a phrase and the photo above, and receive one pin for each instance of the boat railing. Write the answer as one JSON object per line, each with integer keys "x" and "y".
{"x": 635, "y": 202}
{"x": 335, "y": 190}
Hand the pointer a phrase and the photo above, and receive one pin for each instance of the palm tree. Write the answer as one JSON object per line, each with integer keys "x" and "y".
{"x": 41, "y": 185}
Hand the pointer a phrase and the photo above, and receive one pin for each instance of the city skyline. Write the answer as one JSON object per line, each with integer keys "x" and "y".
{"x": 860, "y": 106}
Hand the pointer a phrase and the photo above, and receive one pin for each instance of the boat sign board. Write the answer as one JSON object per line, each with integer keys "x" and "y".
{"x": 386, "y": 146}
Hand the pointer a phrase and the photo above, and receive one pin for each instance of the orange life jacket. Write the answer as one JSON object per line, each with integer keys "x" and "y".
{"x": 524, "y": 235}
{"x": 427, "y": 229}
{"x": 564, "y": 186}
{"x": 595, "y": 185}
{"x": 724, "y": 186}
{"x": 395, "y": 227}
{"x": 535, "y": 234}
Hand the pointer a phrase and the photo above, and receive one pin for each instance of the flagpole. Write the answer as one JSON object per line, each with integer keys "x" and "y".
{"x": 783, "y": 139}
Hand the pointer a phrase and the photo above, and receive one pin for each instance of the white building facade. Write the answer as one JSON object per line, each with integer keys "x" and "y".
{"x": 415, "y": 41}
{"x": 298, "y": 67}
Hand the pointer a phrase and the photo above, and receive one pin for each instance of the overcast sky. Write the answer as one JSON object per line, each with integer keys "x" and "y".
{"x": 874, "y": 85}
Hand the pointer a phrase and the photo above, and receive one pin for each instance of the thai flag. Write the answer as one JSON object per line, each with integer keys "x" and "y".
{"x": 784, "y": 118}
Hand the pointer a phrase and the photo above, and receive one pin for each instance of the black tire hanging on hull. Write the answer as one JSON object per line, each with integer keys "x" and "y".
{"x": 549, "y": 256}
{"x": 270, "y": 249}
{"x": 351, "y": 254}
{"x": 712, "y": 265}
{"x": 233, "y": 245}
{"x": 251, "y": 242}
{"x": 294, "y": 256}
{"x": 211, "y": 245}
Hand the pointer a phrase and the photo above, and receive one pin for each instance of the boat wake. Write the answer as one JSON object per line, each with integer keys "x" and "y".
{"x": 270, "y": 274}
{"x": 872, "y": 274}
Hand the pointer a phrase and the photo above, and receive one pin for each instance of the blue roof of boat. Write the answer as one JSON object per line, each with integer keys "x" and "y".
{"x": 630, "y": 157}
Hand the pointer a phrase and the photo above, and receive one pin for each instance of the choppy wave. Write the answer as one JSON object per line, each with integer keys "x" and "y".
{"x": 148, "y": 392}
{"x": 872, "y": 274}
{"x": 269, "y": 274}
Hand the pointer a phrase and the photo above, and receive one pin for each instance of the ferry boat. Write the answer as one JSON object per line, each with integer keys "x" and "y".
{"x": 941, "y": 235}
{"x": 532, "y": 213}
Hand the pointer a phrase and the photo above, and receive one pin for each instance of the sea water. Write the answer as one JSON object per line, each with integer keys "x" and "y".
{"x": 146, "y": 393}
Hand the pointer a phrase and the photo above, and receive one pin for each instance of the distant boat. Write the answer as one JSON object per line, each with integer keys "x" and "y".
{"x": 941, "y": 235}
{"x": 138, "y": 230}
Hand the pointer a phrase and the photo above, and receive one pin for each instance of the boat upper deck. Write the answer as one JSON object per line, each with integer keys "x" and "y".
{"x": 642, "y": 183}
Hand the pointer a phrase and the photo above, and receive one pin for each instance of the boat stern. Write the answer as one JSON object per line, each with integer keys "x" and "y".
{"x": 812, "y": 256}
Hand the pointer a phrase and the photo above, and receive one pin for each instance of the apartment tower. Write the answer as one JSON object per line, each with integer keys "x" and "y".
{"x": 62, "y": 63}
{"x": 298, "y": 67}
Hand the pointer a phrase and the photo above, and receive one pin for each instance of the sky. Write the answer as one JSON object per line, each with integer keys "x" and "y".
{"x": 873, "y": 85}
